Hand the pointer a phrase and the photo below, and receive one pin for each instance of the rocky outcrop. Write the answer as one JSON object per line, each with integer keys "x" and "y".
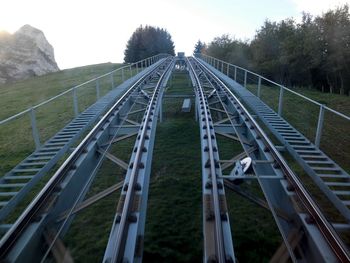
{"x": 24, "y": 54}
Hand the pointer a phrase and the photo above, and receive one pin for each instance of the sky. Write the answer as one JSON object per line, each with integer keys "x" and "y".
{"x": 85, "y": 32}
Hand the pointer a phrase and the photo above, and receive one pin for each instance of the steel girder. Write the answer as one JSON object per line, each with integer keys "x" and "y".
{"x": 68, "y": 186}
{"x": 125, "y": 242}
{"x": 285, "y": 193}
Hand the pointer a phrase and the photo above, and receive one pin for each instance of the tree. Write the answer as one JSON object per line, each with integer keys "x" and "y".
{"x": 146, "y": 42}
{"x": 200, "y": 47}
{"x": 314, "y": 52}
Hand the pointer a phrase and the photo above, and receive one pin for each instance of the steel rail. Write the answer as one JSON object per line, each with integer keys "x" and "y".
{"x": 331, "y": 236}
{"x": 120, "y": 236}
{"x": 220, "y": 250}
{"x": 39, "y": 201}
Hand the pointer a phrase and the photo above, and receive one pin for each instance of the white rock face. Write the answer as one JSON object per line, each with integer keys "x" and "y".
{"x": 24, "y": 54}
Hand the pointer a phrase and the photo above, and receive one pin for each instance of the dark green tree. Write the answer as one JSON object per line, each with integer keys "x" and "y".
{"x": 146, "y": 42}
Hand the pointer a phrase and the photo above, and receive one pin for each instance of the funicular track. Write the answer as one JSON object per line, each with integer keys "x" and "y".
{"x": 307, "y": 235}
{"x": 53, "y": 209}
{"x": 291, "y": 205}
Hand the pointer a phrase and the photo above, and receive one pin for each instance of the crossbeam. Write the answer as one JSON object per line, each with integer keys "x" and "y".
{"x": 114, "y": 159}
{"x": 92, "y": 200}
{"x": 228, "y": 163}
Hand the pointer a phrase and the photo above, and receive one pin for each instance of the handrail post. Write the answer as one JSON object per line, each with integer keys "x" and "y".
{"x": 222, "y": 66}
{"x": 35, "y": 132}
{"x": 259, "y": 87}
{"x": 228, "y": 70}
{"x": 137, "y": 68}
{"x": 319, "y": 126}
{"x": 122, "y": 74}
{"x": 97, "y": 88}
{"x": 112, "y": 81}
{"x": 141, "y": 65}
{"x": 280, "y": 101}
{"x": 130, "y": 71}
{"x": 75, "y": 102}
{"x": 235, "y": 75}
{"x": 245, "y": 78}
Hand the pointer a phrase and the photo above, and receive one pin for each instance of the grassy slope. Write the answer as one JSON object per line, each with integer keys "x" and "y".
{"x": 17, "y": 96}
{"x": 20, "y": 95}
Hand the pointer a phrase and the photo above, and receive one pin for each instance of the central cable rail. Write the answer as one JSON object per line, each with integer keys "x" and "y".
{"x": 211, "y": 170}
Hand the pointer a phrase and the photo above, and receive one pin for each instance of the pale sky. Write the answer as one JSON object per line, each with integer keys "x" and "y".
{"x": 85, "y": 32}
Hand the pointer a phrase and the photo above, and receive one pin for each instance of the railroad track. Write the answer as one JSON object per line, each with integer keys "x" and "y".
{"x": 285, "y": 192}
{"x": 24, "y": 241}
{"x": 307, "y": 235}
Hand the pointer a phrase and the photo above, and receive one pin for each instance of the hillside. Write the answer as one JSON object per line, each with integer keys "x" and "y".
{"x": 17, "y": 96}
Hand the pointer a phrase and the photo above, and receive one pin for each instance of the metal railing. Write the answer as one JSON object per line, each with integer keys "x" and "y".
{"x": 125, "y": 72}
{"x": 241, "y": 75}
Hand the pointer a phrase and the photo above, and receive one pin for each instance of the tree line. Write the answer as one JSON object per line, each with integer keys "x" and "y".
{"x": 312, "y": 53}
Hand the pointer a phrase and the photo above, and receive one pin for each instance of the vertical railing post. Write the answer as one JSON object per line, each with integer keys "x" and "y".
{"x": 137, "y": 68}
{"x": 141, "y": 65}
{"x": 35, "y": 132}
{"x": 259, "y": 87}
{"x": 228, "y": 70}
{"x": 130, "y": 70}
{"x": 245, "y": 78}
{"x": 112, "y": 81}
{"x": 280, "y": 101}
{"x": 222, "y": 66}
{"x": 75, "y": 102}
{"x": 97, "y": 88}
{"x": 319, "y": 126}
{"x": 123, "y": 75}
{"x": 235, "y": 75}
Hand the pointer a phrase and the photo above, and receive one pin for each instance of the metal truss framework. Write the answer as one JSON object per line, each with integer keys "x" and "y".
{"x": 307, "y": 235}
{"x": 292, "y": 207}
{"x": 53, "y": 210}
